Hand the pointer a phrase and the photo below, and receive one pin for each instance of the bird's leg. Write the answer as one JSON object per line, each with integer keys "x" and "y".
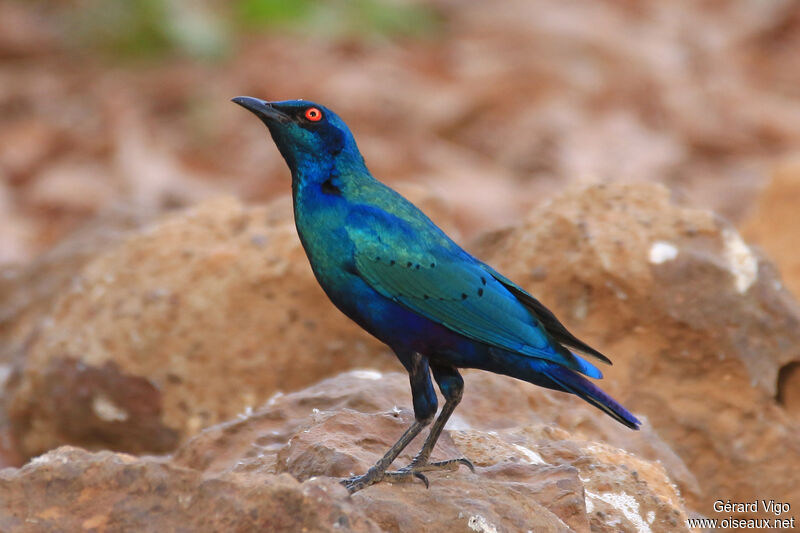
{"x": 452, "y": 386}
{"x": 424, "y": 410}
{"x": 378, "y": 470}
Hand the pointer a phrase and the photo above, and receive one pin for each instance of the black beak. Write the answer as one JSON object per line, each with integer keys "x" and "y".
{"x": 262, "y": 109}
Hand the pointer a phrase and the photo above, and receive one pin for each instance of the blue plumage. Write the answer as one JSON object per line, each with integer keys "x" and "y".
{"x": 384, "y": 264}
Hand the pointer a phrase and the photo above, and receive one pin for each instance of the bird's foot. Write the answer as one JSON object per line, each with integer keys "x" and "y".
{"x": 415, "y": 470}
{"x": 356, "y": 483}
{"x": 407, "y": 473}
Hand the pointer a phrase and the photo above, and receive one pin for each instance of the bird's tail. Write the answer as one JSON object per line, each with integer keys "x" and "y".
{"x": 553, "y": 376}
{"x": 582, "y": 387}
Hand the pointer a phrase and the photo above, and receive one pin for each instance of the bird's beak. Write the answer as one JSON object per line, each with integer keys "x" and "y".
{"x": 262, "y": 109}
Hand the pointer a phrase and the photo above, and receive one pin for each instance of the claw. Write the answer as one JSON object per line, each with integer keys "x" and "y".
{"x": 451, "y": 464}
{"x": 466, "y": 462}
{"x": 414, "y": 470}
{"x": 421, "y": 477}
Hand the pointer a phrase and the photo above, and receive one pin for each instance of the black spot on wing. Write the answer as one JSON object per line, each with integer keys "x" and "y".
{"x": 551, "y": 324}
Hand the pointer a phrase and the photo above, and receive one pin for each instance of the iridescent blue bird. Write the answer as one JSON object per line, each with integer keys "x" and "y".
{"x": 385, "y": 265}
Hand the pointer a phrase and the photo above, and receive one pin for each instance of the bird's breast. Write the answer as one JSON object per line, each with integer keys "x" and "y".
{"x": 319, "y": 219}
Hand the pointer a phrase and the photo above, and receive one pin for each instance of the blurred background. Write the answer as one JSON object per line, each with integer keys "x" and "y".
{"x": 126, "y": 105}
{"x": 114, "y": 112}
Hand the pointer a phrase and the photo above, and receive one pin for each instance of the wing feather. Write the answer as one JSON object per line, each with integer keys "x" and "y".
{"x": 450, "y": 288}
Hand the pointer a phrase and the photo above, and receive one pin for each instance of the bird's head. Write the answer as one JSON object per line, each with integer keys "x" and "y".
{"x": 309, "y": 136}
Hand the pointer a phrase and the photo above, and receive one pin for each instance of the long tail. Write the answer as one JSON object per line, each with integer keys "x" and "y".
{"x": 553, "y": 376}
{"x": 582, "y": 387}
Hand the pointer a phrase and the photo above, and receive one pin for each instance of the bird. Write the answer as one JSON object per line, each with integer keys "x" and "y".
{"x": 390, "y": 269}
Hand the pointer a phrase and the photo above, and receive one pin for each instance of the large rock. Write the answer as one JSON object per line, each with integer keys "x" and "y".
{"x": 70, "y": 489}
{"x": 528, "y": 470}
{"x": 698, "y": 326}
{"x": 682, "y": 305}
{"x": 772, "y": 226}
{"x": 139, "y": 339}
{"x": 772, "y": 223}
{"x": 176, "y": 327}
{"x": 234, "y": 476}
{"x": 491, "y": 403}
{"x": 27, "y": 293}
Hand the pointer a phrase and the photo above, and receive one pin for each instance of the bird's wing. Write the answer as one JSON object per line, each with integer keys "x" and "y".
{"x": 411, "y": 266}
{"x": 546, "y": 317}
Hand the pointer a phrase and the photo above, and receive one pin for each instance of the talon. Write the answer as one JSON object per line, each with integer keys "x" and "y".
{"x": 407, "y": 473}
{"x": 451, "y": 464}
{"x": 466, "y": 462}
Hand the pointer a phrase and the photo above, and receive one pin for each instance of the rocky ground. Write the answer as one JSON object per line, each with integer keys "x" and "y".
{"x": 173, "y": 339}
{"x": 272, "y": 469}
{"x": 168, "y": 362}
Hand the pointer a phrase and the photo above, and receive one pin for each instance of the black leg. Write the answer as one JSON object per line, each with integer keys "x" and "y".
{"x": 377, "y": 472}
{"x": 425, "y": 405}
{"x": 452, "y": 386}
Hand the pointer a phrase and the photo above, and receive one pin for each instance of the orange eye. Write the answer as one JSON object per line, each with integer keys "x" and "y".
{"x": 313, "y": 114}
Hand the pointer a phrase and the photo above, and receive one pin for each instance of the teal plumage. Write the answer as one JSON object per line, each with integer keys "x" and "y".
{"x": 443, "y": 284}
{"x": 384, "y": 264}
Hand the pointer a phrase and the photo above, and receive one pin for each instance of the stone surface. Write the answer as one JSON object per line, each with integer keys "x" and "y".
{"x": 151, "y": 321}
{"x": 768, "y": 226}
{"x": 697, "y": 324}
{"x": 527, "y": 470}
{"x": 70, "y": 489}
{"x": 491, "y": 403}
{"x": 27, "y": 290}
{"x": 27, "y": 293}
{"x": 272, "y": 469}
{"x": 159, "y": 332}
{"x": 704, "y": 337}
{"x": 775, "y": 214}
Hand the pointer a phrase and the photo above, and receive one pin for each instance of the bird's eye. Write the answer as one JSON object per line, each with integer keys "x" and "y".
{"x": 313, "y": 114}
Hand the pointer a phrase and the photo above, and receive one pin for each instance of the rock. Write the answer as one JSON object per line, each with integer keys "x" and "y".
{"x": 70, "y": 489}
{"x": 196, "y": 317}
{"x": 243, "y": 475}
{"x": 621, "y": 491}
{"x": 698, "y": 326}
{"x": 526, "y": 471}
{"x": 130, "y": 358}
{"x": 490, "y": 403}
{"x": 774, "y": 215}
{"x": 769, "y": 227}
{"x": 27, "y": 292}
{"x": 171, "y": 328}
